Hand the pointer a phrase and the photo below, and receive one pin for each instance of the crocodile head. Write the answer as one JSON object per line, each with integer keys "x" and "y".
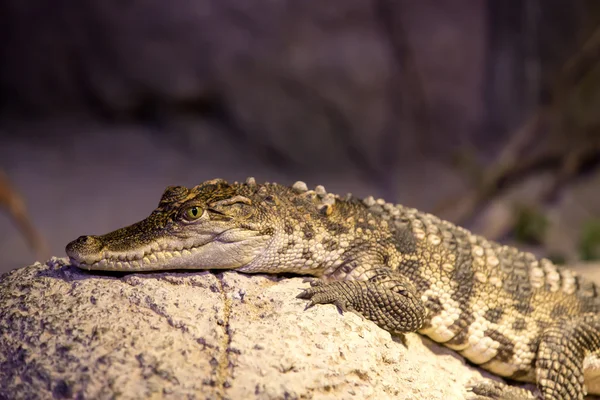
{"x": 213, "y": 225}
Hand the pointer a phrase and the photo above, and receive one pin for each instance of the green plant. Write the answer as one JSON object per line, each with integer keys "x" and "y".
{"x": 530, "y": 224}
{"x": 589, "y": 243}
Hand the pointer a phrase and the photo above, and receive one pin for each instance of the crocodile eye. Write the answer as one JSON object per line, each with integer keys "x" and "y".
{"x": 193, "y": 213}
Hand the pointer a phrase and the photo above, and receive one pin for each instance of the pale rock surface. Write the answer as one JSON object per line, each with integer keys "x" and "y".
{"x": 66, "y": 333}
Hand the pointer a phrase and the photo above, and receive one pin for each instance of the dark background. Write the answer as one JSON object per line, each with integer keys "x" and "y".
{"x": 484, "y": 112}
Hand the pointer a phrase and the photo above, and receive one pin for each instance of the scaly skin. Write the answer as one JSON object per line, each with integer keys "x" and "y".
{"x": 512, "y": 314}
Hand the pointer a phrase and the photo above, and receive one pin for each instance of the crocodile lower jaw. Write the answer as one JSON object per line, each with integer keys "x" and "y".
{"x": 163, "y": 259}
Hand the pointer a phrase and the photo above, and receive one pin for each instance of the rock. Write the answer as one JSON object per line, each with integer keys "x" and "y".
{"x": 68, "y": 333}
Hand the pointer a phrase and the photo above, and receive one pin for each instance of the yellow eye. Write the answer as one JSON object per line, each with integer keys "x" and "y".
{"x": 193, "y": 213}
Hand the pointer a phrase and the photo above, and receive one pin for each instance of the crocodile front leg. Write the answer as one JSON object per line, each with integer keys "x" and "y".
{"x": 387, "y": 299}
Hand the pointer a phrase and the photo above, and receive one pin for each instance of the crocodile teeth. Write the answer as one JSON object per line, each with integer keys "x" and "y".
{"x": 176, "y": 253}
{"x": 168, "y": 255}
{"x": 160, "y": 256}
{"x": 186, "y": 253}
{"x": 152, "y": 258}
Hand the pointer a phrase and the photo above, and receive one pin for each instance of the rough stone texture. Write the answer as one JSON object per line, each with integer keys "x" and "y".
{"x": 67, "y": 333}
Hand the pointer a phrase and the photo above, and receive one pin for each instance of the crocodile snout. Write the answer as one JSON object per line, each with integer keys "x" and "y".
{"x": 84, "y": 249}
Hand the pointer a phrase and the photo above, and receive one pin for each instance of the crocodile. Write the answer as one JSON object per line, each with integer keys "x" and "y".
{"x": 509, "y": 312}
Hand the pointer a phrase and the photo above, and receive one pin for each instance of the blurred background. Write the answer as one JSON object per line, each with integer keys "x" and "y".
{"x": 484, "y": 112}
